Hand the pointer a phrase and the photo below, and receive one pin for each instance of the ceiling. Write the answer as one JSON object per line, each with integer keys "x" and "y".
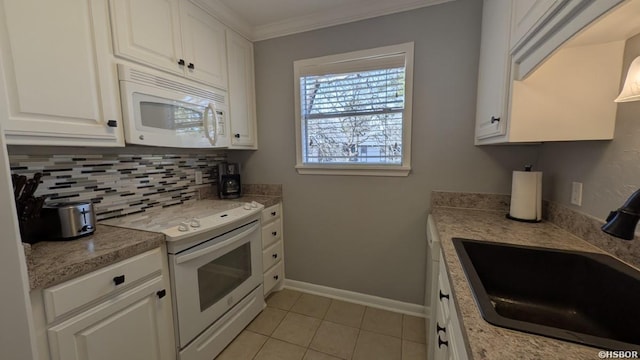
{"x": 264, "y": 19}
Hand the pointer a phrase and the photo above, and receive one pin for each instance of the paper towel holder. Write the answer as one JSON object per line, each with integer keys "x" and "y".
{"x": 527, "y": 169}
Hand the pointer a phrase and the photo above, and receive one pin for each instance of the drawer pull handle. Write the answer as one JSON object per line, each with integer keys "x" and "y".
{"x": 495, "y": 119}
{"x": 274, "y": 233}
{"x": 161, "y": 293}
{"x": 191, "y": 66}
{"x": 275, "y": 256}
{"x": 273, "y": 213}
{"x": 112, "y": 123}
{"x": 440, "y": 328}
{"x": 237, "y": 136}
{"x": 442, "y": 342}
{"x": 118, "y": 280}
{"x": 181, "y": 62}
{"x": 276, "y": 277}
{"x": 443, "y": 296}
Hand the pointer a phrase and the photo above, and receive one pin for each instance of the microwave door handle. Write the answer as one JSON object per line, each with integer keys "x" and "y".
{"x": 209, "y": 249}
{"x": 213, "y": 108}
{"x": 205, "y": 123}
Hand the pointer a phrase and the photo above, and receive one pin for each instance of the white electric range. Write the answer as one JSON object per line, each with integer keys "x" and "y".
{"x": 215, "y": 262}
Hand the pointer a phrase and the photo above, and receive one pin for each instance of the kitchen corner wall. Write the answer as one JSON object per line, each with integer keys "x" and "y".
{"x": 609, "y": 170}
{"x": 367, "y": 234}
{"x": 119, "y": 181}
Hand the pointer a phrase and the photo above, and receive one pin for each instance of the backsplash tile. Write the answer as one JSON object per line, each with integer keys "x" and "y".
{"x": 470, "y": 200}
{"x": 119, "y": 184}
{"x": 588, "y": 228}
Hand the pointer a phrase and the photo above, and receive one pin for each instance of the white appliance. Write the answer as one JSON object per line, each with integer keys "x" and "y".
{"x": 162, "y": 110}
{"x": 215, "y": 261}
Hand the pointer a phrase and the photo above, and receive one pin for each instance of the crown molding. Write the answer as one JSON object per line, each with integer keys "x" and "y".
{"x": 365, "y": 9}
{"x": 226, "y": 16}
{"x": 336, "y": 16}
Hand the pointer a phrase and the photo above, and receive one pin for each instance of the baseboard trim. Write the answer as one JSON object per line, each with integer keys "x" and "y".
{"x": 358, "y": 298}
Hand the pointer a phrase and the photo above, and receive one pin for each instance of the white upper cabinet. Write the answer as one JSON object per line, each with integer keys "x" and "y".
{"x": 203, "y": 44}
{"x": 531, "y": 89}
{"x": 57, "y": 77}
{"x": 171, "y": 35}
{"x": 494, "y": 65}
{"x": 148, "y": 31}
{"x": 242, "y": 107}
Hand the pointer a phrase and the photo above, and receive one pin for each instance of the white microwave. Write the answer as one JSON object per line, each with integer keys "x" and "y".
{"x": 161, "y": 111}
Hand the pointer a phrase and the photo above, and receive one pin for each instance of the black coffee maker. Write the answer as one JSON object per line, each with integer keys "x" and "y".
{"x": 229, "y": 185}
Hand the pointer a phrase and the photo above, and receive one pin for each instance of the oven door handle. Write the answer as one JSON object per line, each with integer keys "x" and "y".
{"x": 210, "y": 249}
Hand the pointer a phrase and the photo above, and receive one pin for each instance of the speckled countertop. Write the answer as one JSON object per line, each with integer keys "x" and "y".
{"x": 53, "y": 262}
{"x": 486, "y": 341}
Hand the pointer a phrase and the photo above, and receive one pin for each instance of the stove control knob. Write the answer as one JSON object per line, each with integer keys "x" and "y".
{"x": 247, "y": 206}
{"x": 254, "y": 204}
{"x": 195, "y": 223}
{"x": 183, "y": 227}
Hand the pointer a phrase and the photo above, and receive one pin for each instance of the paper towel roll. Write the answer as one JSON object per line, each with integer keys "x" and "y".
{"x": 526, "y": 196}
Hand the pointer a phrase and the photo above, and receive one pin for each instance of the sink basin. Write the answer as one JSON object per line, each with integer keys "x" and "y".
{"x": 587, "y": 298}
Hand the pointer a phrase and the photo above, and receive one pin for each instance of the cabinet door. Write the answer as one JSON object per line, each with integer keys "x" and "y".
{"x": 527, "y": 14}
{"x": 494, "y": 70}
{"x": 148, "y": 31}
{"x": 133, "y": 325}
{"x": 242, "y": 109}
{"x": 204, "y": 46}
{"x": 57, "y": 73}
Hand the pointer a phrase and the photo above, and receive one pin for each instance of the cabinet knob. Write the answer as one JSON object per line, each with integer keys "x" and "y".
{"x": 276, "y": 277}
{"x": 442, "y": 342}
{"x": 162, "y": 293}
{"x": 273, "y": 213}
{"x": 275, "y": 256}
{"x": 112, "y": 123}
{"x": 443, "y": 296}
{"x": 191, "y": 66}
{"x": 118, "y": 280}
{"x": 181, "y": 62}
{"x": 237, "y": 136}
{"x": 440, "y": 328}
{"x": 495, "y": 119}
{"x": 274, "y": 233}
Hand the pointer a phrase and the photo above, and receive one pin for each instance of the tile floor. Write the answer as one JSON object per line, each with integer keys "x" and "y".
{"x": 299, "y": 326}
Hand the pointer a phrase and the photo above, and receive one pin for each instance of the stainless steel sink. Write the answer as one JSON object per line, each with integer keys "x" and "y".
{"x": 587, "y": 298}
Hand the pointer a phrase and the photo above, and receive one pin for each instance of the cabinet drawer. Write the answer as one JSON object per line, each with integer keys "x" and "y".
{"x": 271, "y": 213}
{"x": 272, "y": 277}
{"x": 272, "y": 255}
{"x": 60, "y": 299}
{"x": 271, "y": 233}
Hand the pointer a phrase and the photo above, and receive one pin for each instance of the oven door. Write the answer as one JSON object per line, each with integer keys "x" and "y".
{"x": 212, "y": 277}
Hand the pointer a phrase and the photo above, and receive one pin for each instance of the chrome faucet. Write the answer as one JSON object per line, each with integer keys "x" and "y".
{"x": 622, "y": 222}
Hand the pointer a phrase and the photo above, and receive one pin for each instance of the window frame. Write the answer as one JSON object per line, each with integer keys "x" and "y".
{"x": 341, "y": 62}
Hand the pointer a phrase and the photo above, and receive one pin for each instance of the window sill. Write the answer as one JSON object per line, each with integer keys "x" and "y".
{"x": 353, "y": 171}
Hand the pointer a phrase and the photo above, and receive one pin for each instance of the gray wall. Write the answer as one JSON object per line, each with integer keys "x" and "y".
{"x": 366, "y": 234}
{"x": 609, "y": 170}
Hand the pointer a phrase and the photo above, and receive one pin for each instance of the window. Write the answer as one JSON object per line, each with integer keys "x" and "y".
{"x": 353, "y": 112}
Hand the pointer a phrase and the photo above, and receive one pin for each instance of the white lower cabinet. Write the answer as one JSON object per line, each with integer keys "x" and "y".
{"x": 131, "y": 325}
{"x": 448, "y": 341}
{"x": 122, "y": 311}
{"x": 272, "y": 249}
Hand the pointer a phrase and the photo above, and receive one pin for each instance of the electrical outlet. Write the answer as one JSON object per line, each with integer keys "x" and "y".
{"x": 198, "y": 177}
{"x": 576, "y": 193}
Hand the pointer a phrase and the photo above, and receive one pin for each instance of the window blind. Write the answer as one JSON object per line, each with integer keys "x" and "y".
{"x": 356, "y": 116}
